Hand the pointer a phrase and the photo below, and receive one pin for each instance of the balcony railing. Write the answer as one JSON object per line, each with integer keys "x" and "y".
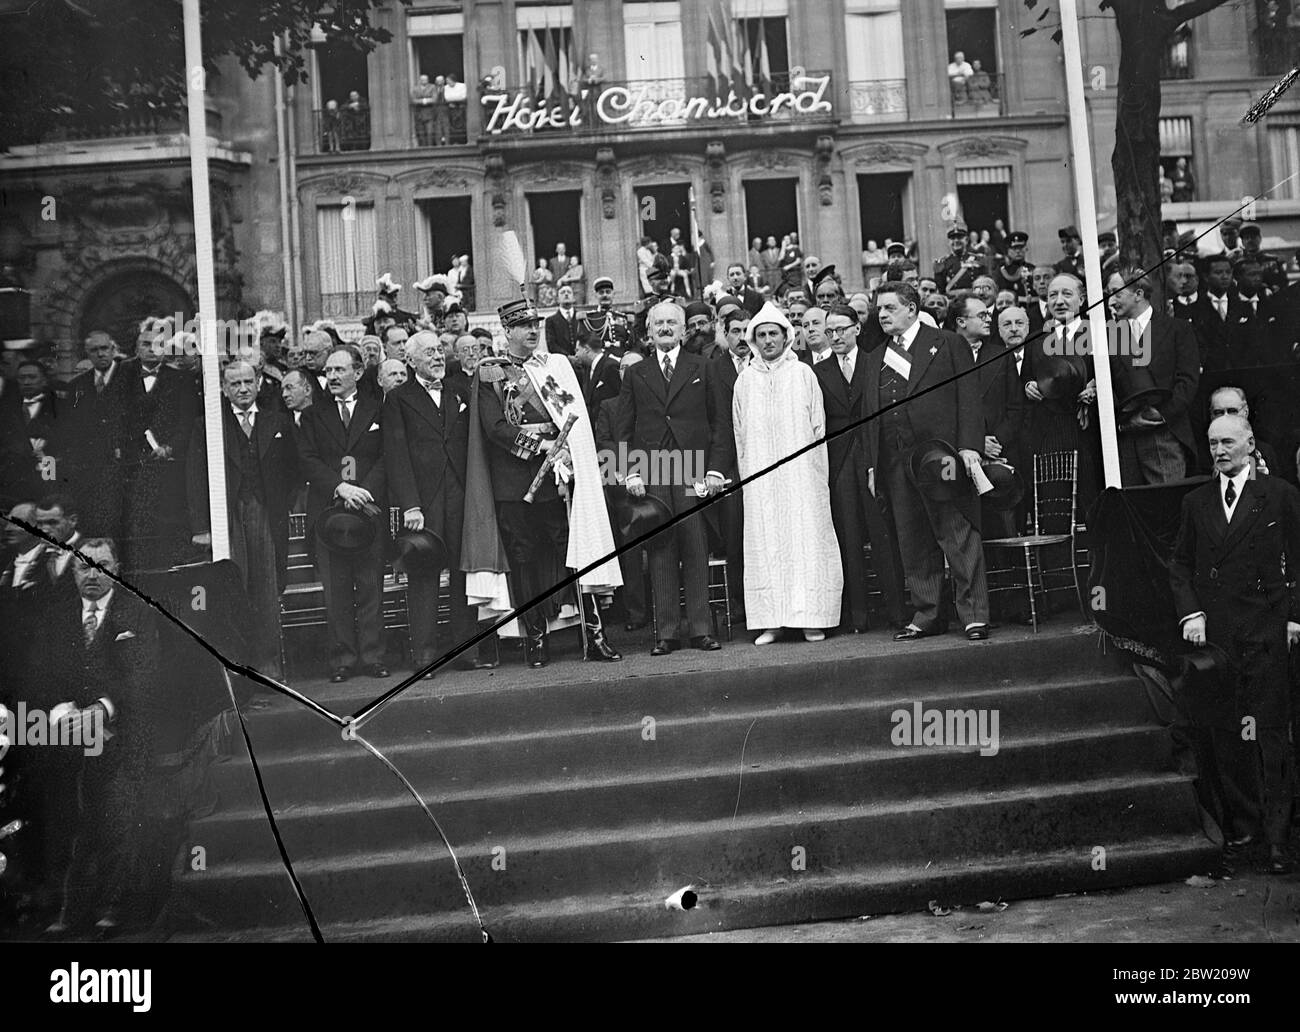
{"x": 346, "y": 306}
{"x": 128, "y": 118}
{"x": 878, "y": 100}
{"x": 979, "y": 96}
{"x": 342, "y": 129}
{"x": 438, "y": 125}
{"x": 658, "y": 104}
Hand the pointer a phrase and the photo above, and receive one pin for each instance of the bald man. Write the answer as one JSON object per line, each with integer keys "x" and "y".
{"x": 261, "y": 474}
{"x": 1239, "y": 539}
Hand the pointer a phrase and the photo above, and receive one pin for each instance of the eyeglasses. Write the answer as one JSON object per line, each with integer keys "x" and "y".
{"x": 1216, "y": 412}
{"x": 840, "y": 331}
{"x": 986, "y": 314}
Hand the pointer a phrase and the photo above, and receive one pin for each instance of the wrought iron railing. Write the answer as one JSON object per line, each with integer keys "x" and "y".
{"x": 342, "y": 129}
{"x": 434, "y": 125}
{"x": 878, "y": 100}
{"x": 657, "y": 104}
{"x": 127, "y": 117}
{"x": 977, "y": 96}
{"x": 352, "y": 305}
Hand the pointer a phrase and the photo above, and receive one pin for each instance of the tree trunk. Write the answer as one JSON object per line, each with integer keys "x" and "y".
{"x": 1144, "y": 29}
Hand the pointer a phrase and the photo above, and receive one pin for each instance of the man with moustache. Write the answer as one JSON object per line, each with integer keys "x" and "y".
{"x": 669, "y": 407}
{"x": 426, "y": 446}
{"x": 342, "y": 452}
{"x": 316, "y": 347}
{"x": 701, "y": 337}
{"x": 562, "y": 327}
{"x": 916, "y": 359}
{"x": 1237, "y": 548}
{"x": 613, "y": 327}
{"x": 855, "y": 513}
{"x": 520, "y": 402}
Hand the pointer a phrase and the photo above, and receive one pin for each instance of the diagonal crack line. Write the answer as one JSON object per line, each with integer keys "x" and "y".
{"x": 1260, "y": 108}
{"x": 460, "y": 871}
{"x": 230, "y": 665}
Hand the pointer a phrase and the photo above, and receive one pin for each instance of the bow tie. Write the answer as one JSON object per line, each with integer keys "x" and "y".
{"x": 430, "y": 385}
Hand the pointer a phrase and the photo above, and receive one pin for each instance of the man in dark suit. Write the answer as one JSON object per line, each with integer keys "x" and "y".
{"x": 161, "y": 405}
{"x": 855, "y": 512}
{"x": 93, "y": 440}
{"x": 1224, "y": 324}
{"x": 916, "y": 358}
{"x": 32, "y": 430}
{"x": 597, "y": 372}
{"x": 632, "y": 564}
{"x": 261, "y": 462}
{"x": 342, "y": 453}
{"x": 669, "y": 409}
{"x": 1238, "y": 541}
{"x": 750, "y": 299}
{"x": 101, "y": 677}
{"x": 727, "y": 517}
{"x": 426, "y": 442}
{"x": 1155, "y": 440}
{"x": 562, "y": 327}
{"x": 1036, "y": 308}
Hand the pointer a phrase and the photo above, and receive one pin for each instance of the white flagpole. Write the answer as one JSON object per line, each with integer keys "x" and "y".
{"x": 212, "y": 400}
{"x": 1087, "y": 204}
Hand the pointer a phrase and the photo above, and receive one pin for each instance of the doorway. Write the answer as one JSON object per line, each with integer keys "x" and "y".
{"x": 661, "y": 209}
{"x": 771, "y": 209}
{"x": 447, "y": 233}
{"x": 982, "y": 204}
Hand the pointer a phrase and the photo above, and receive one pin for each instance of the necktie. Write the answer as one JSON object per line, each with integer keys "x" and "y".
{"x": 52, "y": 563}
{"x": 99, "y": 383}
{"x": 1230, "y": 495}
{"x": 1221, "y": 306}
{"x": 845, "y": 369}
{"x": 89, "y": 626}
{"x": 246, "y": 424}
{"x": 344, "y": 414}
{"x": 668, "y": 368}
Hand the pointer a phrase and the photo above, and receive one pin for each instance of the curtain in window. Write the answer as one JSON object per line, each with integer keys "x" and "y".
{"x": 348, "y": 261}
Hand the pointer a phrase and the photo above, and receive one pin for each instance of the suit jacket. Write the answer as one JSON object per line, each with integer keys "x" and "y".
{"x": 97, "y": 423}
{"x": 168, "y": 411}
{"x": 277, "y": 452}
{"x": 724, "y": 386}
{"x": 1234, "y": 574}
{"x": 684, "y": 415}
{"x": 751, "y": 301}
{"x": 1278, "y": 324}
{"x": 604, "y": 427}
{"x": 425, "y": 451}
{"x": 327, "y": 452}
{"x": 601, "y": 383}
{"x": 843, "y": 403}
{"x": 561, "y": 334}
{"x": 1173, "y": 360}
{"x": 950, "y": 412}
{"x": 120, "y": 664}
{"x": 1222, "y": 343}
{"x": 1002, "y": 396}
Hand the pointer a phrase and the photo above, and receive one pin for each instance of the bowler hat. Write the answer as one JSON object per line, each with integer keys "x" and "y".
{"x": 348, "y": 531}
{"x": 938, "y": 471}
{"x": 1059, "y": 378}
{"x": 635, "y": 516}
{"x": 1008, "y": 488}
{"x": 419, "y": 551}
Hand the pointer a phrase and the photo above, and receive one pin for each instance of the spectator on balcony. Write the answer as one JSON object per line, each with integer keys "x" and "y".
{"x": 755, "y": 256}
{"x": 441, "y": 112}
{"x": 575, "y": 276}
{"x": 589, "y": 86}
{"x": 1166, "y": 188}
{"x": 560, "y": 263}
{"x": 979, "y": 87}
{"x": 354, "y": 123}
{"x": 331, "y": 127}
{"x": 792, "y": 266}
{"x": 645, "y": 261}
{"x": 423, "y": 96}
{"x": 1184, "y": 185}
{"x": 455, "y": 92}
{"x": 679, "y": 272}
{"x": 998, "y": 236}
{"x": 959, "y": 73}
{"x": 542, "y": 274}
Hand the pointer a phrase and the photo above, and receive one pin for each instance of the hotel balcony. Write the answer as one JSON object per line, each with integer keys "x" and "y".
{"x": 980, "y": 96}
{"x": 644, "y": 105}
{"x": 878, "y": 100}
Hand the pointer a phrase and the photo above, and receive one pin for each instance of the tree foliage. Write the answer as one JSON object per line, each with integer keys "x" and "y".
{"x": 65, "y": 61}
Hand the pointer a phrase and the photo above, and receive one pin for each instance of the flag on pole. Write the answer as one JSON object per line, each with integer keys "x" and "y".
{"x": 717, "y": 66}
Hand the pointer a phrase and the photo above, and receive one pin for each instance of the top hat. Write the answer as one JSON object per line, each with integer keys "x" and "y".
{"x": 938, "y": 471}
{"x": 1017, "y": 239}
{"x": 1069, "y": 233}
{"x": 602, "y": 281}
{"x": 518, "y": 313}
{"x": 348, "y": 531}
{"x": 1058, "y": 377}
{"x": 1008, "y": 488}
{"x": 957, "y": 232}
{"x": 1136, "y": 387}
{"x": 633, "y": 517}
{"x": 826, "y": 272}
{"x": 419, "y": 551}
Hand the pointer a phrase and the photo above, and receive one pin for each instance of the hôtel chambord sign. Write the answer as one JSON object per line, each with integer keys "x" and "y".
{"x": 638, "y": 107}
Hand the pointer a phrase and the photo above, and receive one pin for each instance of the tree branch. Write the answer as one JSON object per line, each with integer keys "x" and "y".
{"x": 1193, "y": 9}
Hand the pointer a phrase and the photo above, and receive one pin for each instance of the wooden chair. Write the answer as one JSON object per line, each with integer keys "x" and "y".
{"x": 1055, "y": 522}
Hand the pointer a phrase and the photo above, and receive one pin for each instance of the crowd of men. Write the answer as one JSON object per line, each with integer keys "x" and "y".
{"x": 496, "y": 453}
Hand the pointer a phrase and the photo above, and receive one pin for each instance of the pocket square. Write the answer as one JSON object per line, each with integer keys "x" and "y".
{"x": 696, "y": 380}
{"x": 373, "y": 427}
{"x": 278, "y": 435}
{"x": 463, "y": 407}
{"x": 124, "y": 635}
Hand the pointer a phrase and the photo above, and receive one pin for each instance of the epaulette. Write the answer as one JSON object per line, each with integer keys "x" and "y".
{"x": 492, "y": 369}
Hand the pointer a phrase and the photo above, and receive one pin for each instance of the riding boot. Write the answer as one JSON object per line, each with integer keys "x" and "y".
{"x": 597, "y": 647}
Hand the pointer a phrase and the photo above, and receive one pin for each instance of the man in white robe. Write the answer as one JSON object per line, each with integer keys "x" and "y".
{"x": 793, "y": 575}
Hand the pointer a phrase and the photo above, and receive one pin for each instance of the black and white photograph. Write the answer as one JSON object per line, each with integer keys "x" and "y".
{"x": 547, "y": 471}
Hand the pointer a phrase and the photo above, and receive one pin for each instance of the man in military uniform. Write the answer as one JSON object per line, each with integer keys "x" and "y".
{"x": 613, "y": 327}
{"x": 958, "y": 269}
{"x": 518, "y": 397}
{"x": 1013, "y": 272}
{"x": 1272, "y": 268}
